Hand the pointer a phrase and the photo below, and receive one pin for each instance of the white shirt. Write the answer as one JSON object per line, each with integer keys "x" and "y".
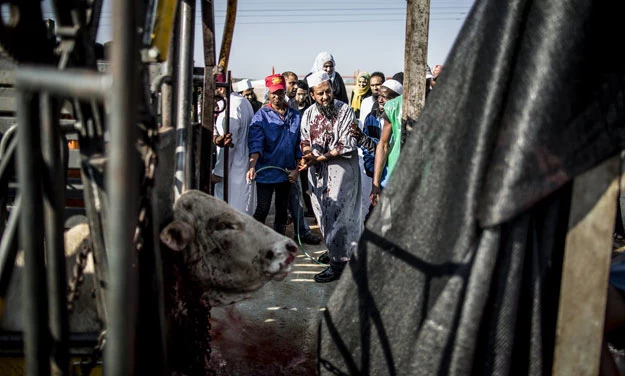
{"x": 365, "y": 108}
{"x": 241, "y": 114}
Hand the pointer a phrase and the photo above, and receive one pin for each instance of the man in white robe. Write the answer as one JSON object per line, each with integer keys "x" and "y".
{"x": 241, "y": 114}
{"x": 331, "y": 156}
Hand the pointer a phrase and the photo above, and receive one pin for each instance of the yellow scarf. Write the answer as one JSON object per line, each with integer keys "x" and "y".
{"x": 358, "y": 91}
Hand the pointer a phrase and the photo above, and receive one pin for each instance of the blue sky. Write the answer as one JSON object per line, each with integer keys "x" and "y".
{"x": 365, "y": 35}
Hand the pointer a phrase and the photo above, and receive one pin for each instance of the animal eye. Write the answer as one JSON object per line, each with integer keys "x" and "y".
{"x": 225, "y": 226}
{"x": 269, "y": 255}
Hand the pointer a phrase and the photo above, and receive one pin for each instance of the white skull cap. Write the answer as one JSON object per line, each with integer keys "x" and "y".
{"x": 394, "y": 85}
{"x": 316, "y": 78}
{"x": 242, "y": 85}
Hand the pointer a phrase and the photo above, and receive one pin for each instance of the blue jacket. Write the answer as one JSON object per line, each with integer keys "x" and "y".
{"x": 373, "y": 130}
{"x": 276, "y": 140}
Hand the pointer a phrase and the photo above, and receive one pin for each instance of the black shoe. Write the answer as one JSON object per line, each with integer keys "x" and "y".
{"x": 328, "y": 275}
{"x": 324, "y": 258}
{"x": 309, "y": 214}
{"x": 309, "y": 239}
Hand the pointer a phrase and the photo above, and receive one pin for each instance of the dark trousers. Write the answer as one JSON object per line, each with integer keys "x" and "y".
{"x": 263, "y": 203}
{"x": 297, "y": 212}
{"x": 303, "y": 178}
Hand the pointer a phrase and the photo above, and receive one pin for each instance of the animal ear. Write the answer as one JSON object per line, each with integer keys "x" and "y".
{"x": 177, "y": 235}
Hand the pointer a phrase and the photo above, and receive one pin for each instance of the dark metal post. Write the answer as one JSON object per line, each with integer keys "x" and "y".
{"x": 54, "y": 205}
{"x": 226, "y": 154}
{"x": 208, "y": 96}
{"x": 166, "y": 90}
{"x": 184, "y": 156}
{"x": 122, "y": 178}
{"x": 36, "y": 335}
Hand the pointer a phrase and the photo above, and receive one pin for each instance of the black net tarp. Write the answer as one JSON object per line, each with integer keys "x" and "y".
{"x": 458, "y": 270}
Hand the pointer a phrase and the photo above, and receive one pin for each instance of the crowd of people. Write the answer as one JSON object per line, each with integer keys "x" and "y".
{"x": 309, "y": 140}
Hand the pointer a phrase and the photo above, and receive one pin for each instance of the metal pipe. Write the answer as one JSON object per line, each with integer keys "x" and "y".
{"x": 7, "y": 160}
{"x": 77, "y": 83}
{"x": 8, "y": 249}
{"x": 184, "y": 155}
{"x": 208, "y": 96}
{"x": 156, "y": 88}
{"x": 34, "y": 298}
{"x": 6, "y": 138}
{"x": 122, "y": 177}
{"x": 54, "y": 206}
{"x": 226, "y": 131}
{"x": 167, "y": 97}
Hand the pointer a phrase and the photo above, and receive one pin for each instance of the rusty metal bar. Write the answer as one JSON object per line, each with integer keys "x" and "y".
{"x": 122, "y": 178}
{"x": 226, "y": 42}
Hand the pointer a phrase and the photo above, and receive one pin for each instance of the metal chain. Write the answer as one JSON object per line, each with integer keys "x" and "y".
{"x": 209, "y": 338}
{"x": 77, "y": 274}
{"x": 331, "y": 368}
{"x": 96, "y": 354}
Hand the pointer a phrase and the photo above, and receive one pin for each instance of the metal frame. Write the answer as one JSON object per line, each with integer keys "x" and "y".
{"x": 38, "y": 89}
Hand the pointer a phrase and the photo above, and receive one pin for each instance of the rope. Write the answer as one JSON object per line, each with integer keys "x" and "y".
{"x": 299, "y": 193}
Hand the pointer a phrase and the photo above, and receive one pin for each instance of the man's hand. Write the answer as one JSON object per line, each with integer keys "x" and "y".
{"x": 307, "y": 161}
{"x": 223, "y": 141}
{"x": 355, "y": 131}
{"x": 293, "y": 175}
{"x": 375, "y": 194}
{"x": 216, "y": 179}
{"x": 250, "y": 175}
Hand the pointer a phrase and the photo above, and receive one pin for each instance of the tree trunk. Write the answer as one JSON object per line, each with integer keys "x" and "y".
{"x": 415, "y": 62}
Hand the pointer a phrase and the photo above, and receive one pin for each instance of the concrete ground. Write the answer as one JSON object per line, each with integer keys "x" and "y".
{"x": 275, "y": 332}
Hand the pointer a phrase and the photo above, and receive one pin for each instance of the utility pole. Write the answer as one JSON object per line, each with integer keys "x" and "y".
{"x": 415, "y": 62}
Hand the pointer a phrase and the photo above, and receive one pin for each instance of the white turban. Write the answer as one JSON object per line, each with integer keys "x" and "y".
{"x": 320, "y": 60}
{"x": 316, "y": 78}
{"x": 394, "y": 85}
{"x": 242, "y": 85}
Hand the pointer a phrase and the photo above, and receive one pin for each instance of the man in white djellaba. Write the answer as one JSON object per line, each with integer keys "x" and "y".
{"x": 241, "y": 114}
{"x": 331, "y": 157}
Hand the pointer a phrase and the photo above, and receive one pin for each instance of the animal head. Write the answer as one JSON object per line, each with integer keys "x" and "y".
{"x": 229, "y": 253}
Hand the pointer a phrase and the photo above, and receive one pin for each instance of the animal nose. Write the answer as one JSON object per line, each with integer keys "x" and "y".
{"x": 291, "y": 247}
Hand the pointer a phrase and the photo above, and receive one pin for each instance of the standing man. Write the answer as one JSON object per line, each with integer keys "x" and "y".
{"x": 388, "y": 149}
{"x": 296, "y": 209}
{"x": 291, "y": 88}
{"x": 376, "y": 81}
{"x": 241, "y": 114}
{"x": 273, "y": 140}
{"x": 302, "y": 97}
{"x": 369, "y": 137}
{"x": 245, "y": 88}
{"x": 331, "y": 155}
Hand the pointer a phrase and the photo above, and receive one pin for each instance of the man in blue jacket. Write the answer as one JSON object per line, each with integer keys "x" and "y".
{"x": 273, "y": 141}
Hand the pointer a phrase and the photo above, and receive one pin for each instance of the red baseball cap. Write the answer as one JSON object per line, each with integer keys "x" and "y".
{"x": 275, "y": 82}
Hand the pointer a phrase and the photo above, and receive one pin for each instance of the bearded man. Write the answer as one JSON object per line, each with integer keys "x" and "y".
{"x": 331, "y": 156}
